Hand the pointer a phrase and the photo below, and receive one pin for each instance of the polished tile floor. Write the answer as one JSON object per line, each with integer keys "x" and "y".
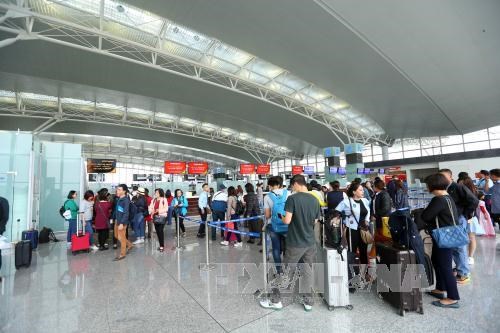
{"x": 153, "y": 292}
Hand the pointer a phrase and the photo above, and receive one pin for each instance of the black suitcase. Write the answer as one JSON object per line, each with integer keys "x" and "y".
{"x": 403, "y": 300}
{"x": 23, "y": 254}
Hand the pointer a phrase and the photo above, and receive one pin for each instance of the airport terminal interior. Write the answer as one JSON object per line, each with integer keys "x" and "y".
{"x": 249, "y": 166}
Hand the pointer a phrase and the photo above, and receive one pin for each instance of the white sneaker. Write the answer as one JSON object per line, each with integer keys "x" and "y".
{"x": 94, "y": 248}
{"x": 307, "y": 307}
{"x": 225, "y": 243}
{"x": 68, "y": 244}
{"x": 138, "y": 241}
{"x": 267, "y": 304}
{"x": 471, "y": 261}
{"x": 238, "y": 244}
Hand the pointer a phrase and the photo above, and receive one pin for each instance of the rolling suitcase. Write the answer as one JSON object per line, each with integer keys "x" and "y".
{"x": 32, "y": 236}
{"x": 23, "y": 254}
{"x": 80, "y": 242}
{"x": 404, "y": 300}
{"x": 336, "y": 289}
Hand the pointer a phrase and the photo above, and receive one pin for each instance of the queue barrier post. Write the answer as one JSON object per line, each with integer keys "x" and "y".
{"x": 206, "y": 266}
{"x": 178, "y": 227}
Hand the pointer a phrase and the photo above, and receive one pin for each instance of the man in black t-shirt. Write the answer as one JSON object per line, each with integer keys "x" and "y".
{"x": 301, "y": 211}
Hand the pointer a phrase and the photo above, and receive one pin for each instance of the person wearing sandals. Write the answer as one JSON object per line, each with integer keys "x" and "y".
{"x": 441, "y": 212}
{"x": 159, "y": 211}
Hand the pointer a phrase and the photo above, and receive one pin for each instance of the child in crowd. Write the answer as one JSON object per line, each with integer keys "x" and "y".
{"x": 484, "y": 217}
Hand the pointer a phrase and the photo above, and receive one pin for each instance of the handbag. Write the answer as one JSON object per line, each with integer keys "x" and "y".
{"x": 451, "y": 236}
{"x": 158, "y": 219}
{"x": 366, "y": 235}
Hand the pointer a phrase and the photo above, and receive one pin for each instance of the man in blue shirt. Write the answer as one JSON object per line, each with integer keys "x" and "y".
{"x": 203, "y": 209}
{"x": 122, "y": 220}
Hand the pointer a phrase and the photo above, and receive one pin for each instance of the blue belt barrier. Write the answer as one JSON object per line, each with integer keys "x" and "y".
{"x": 218, "y": 223}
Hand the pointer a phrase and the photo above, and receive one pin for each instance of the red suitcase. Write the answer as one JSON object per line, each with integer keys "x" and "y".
{"x": 80, "y": 241}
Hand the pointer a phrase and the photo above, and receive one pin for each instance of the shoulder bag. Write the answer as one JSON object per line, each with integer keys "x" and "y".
{"x": 366, "y": 235}
{"x": 451, "y": 236}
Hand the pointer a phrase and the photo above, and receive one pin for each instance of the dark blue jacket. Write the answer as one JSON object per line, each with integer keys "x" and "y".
{"x": 122, "y": 210}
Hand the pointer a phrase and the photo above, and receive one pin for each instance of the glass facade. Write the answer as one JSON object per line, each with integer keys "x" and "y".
{"x": 15, "y": 152}
{"x": 61, "y": 172}
{"x": 407, "y": 148}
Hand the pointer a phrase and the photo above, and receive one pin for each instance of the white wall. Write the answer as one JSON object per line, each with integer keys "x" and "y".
{"x": 471, "y": 166}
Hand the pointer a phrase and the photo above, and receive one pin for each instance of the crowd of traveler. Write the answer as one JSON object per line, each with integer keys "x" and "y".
{"x": 290, "y": 217}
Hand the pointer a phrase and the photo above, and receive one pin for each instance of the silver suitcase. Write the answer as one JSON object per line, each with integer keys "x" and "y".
{"x": 336, "y": 290}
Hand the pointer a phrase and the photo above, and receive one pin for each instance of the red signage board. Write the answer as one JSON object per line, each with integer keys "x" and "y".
{"x": 263, "y": 169}
{"x": 197, "y": 168}
{"x": 174, "y": 168}
{"x": 247, "y": 169}
{"x": 297, "y": 169}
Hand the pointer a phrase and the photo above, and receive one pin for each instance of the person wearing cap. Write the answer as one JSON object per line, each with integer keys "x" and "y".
{"x": 219, "y": 206}
{"x": 141, "y": 209}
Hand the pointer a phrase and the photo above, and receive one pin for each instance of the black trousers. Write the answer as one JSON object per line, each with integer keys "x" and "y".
{"x": 102, "y": 236}
{"x": 442, "y": 262}
{"x": 357, "y": 243}
{"x": 217, "y": 216}
{"x": 203, "y": 216}
{"x": 160, "y": 233}
{"x": 179, "y": 220}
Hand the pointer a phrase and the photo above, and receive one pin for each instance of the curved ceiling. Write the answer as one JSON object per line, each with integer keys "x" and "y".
{"x": 413, "y": 81}
{"x": 419, "y": 68}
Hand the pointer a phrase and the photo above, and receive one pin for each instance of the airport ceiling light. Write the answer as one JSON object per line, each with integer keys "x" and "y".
{"x": 208, "y": 127}
{"x": 244, "y": 136}
{"x": 87, "y": 6}
{"x": 7, "y": 97}
{"x": 133, "y": 17}
{"x": 165, "y": 117}
{"x": 184, "y": 42}
{"x": 39, "y": 100}
{"x": 245, "y": 74}
{"x": 140, "y": 114}
{"x": 188, "y": 122}
{"x": 316, "y": 93}
{"x": 230, "y": 54}
{"x": 292, "y": 81}
{"x": 227, "y": 131}
{"x": 264, "y": 68}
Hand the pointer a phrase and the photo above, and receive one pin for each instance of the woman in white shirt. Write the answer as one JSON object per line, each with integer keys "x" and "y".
{"x": 356, "y": 215}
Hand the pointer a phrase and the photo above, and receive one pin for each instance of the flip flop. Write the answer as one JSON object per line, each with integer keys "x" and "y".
{"x": 119, "y": 258}
{"x": 441, "y": 305}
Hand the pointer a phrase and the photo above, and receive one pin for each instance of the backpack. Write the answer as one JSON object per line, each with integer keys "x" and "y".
{"x": 240, "y": 209}
{"x": 62, "y": 209}
{"x": 278, "y": 208}
{"x": 44, "y": 236}
{"x": 4, "y": 214}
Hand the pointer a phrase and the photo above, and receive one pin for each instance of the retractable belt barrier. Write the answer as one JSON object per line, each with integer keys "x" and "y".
{"x": 218, "y": 224}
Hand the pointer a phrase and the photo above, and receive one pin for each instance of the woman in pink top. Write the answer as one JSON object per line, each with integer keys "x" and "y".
{"x": 159, "y": 211}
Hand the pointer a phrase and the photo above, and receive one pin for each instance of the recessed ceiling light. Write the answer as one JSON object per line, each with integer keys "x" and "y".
{"x": 120, "y": 8}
